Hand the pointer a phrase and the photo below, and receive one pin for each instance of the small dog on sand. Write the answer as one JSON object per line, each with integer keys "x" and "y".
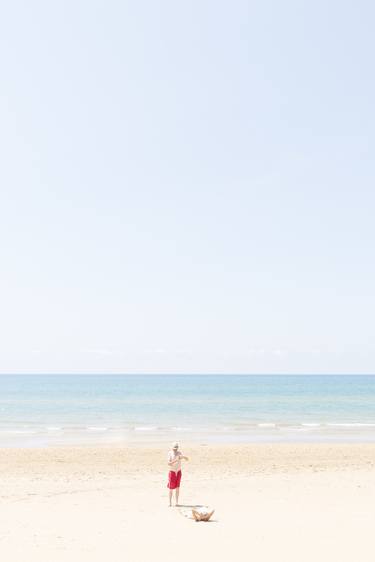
{"x": 202, "y": 514}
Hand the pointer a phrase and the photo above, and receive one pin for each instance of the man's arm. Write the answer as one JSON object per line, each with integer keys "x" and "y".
{"x": 171, "y": 463}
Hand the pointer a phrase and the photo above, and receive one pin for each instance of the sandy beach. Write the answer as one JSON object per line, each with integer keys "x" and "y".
{"x": 285, "y": 502}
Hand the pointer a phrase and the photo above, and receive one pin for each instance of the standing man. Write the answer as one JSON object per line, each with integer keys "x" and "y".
{"x": 174, "y": 477}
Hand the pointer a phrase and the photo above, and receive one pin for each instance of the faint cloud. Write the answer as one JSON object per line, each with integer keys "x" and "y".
{"x": 262, "y": 351}
{"x": 256, "y": 351}
{"x": 100, "y": 351}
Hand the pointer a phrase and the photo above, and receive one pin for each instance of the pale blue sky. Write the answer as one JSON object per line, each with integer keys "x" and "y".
{"x": 187, "y": 186}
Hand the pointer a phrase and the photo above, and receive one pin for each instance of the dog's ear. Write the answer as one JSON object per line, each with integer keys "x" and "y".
{"x": 209, "y": 515}
{"x": 196, "y": 515}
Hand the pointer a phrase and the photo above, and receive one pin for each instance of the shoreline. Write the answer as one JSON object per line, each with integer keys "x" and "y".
{"x": 340, "y": 434}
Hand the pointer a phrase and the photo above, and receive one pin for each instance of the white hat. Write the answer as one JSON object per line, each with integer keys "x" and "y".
{"x": 175, "y": 446}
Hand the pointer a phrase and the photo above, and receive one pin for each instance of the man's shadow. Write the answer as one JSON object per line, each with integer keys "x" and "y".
{"x": 193, "y": 506}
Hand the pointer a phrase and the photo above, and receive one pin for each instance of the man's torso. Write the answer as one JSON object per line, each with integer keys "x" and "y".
{"x": 173, "y": 456}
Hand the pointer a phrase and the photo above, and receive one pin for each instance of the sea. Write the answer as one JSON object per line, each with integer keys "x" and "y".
{"x": 52, "y": 410}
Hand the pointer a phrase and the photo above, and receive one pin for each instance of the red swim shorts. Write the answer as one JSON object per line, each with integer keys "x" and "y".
{"x": 174, "y": 479}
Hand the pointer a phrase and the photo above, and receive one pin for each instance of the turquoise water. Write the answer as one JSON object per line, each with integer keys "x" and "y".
{"x": 52, "y": 409}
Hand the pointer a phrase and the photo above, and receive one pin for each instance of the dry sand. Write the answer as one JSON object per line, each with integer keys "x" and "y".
{"x": 273, "y": 502}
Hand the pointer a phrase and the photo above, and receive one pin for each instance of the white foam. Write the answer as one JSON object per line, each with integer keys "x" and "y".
{"x": 266, "y": 425}
{"x": 351, "y": 424}
{"x": 22, "y": 431}
{"x": 145, "y": 428}
{"x": 94, "y": 428}
{"x": 54, "y": 428}
{"x": 311, "y": 424}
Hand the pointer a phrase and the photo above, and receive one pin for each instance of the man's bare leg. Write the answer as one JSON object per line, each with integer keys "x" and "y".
{"x": 177, "y": 494}
{"x": 170, "y": 498}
